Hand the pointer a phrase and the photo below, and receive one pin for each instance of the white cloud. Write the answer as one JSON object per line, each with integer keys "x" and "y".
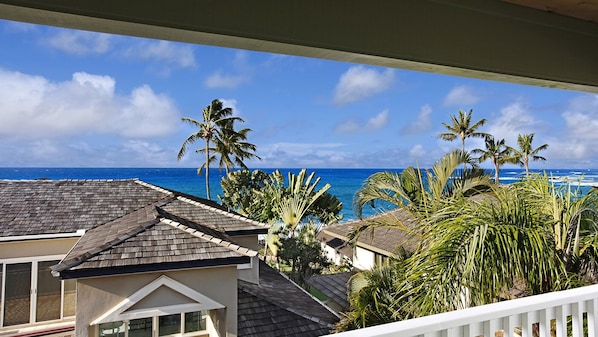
{"x": 241, "y": 75}
{"x": 360, "y": 82}
{"x": 377, "y": 122}
{"x": 513, "y": 120}
{"x": 80, "y": 42}
{"x": 422, "y": 123}
{"x": 348, "y": 126}
{"x": 224, "y": 81}
{"x": 418, "y": 151}
{"x": 461, "y": 96}
{"x": 374, "y": 123}
{"x": 179, "y": 55}
{"x": 578, "y": 144}
{"x": 33, "y": 107}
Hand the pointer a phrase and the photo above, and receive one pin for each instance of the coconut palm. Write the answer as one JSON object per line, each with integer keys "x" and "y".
{"x": 234, "y": 143}
{"x": 526, "y": 151}
{"x": 498, "y": 153}
{"x": 417, "y": 190}
{"x": 462, "y": 128}
{"x": 215, "y": 117}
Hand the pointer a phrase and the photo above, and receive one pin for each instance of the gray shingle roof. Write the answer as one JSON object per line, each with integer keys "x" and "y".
{"x": 64, "y": 206}
{"x": 382, "y": 239}
{"x": 278, "y": 307}
{"x": 334, "y": 286}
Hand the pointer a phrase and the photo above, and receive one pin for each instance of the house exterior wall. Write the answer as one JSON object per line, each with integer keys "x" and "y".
{"x": 248, "y": 241}
{"x": 32, "y": 248}
{"x": 100, "y": 294}
{"x": 363, "y": 259}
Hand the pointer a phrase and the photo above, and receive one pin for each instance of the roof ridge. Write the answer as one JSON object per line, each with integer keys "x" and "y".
{"x": 197, "y": 233}
{"x": 154, "y": 187}
{"x": 229, "y": 214}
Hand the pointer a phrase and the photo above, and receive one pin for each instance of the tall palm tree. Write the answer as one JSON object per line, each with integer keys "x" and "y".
{"x": 234, "y": 143}
{"x": 462, "y": 128}
{"x": 214, "y": 118}
{"x": 497, "y": 152}
{"x": 526, "y": 151}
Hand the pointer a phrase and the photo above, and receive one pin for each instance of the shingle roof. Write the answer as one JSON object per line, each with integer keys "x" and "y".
{"x": 278, "y": 307}
{"x": 334, "y": 286}
{"x": 385, "y": 240}
{"x": 144, "y": 240}
{"x": 64, "y": 206}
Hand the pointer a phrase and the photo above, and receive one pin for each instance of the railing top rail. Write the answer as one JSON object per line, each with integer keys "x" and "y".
{"x": 481, "y": 313}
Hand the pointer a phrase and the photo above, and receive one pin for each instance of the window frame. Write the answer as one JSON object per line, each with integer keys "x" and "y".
{"x": 156, "y": 328}
{"x": 33, "y": 287}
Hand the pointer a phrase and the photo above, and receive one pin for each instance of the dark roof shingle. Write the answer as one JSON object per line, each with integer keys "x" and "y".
{"x": 277, "y": 307}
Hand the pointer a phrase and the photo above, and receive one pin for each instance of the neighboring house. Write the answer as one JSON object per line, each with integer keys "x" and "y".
{"x": 123, "y": 258}
{"x": 372, "y": 247}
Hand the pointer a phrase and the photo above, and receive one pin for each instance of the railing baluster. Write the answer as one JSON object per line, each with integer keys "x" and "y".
{"x": 592, "y": 307}
{"x": 576, "y": 320}
{"x": 561, "y": 322}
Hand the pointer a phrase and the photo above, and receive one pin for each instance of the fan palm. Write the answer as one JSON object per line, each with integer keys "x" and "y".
{"x": 215, "y": 117}
{"x": 526, "y": 151}
{"x": 498, "y": 153}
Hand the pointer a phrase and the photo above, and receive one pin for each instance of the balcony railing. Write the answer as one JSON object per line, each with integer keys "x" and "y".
{"x": 560, "y": 314}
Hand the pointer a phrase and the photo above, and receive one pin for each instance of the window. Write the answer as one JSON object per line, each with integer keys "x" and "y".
{"x": 191, "y": 323}
{"x": 31, "y": 294}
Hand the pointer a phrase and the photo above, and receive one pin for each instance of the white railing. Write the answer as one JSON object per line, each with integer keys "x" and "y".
{"x": 572, "y": 310}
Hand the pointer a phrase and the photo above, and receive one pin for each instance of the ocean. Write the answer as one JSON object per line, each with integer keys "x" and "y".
{"x": 344, "y": 182}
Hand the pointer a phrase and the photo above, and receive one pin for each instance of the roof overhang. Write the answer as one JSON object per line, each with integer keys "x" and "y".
{"x": 493, "y": 40}
{"x": 158, "y": 267}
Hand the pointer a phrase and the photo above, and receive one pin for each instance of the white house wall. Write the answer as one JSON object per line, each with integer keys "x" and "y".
{"x": 363, "y": 259}
{"x": 103, "y": 293}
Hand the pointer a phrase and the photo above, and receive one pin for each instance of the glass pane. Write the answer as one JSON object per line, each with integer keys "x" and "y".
{"x": 169, "y": 325}
{"x": 70, "y": 297}
{"x": 17, "y": 296}
{"x": 195, "y": 321}
{"x": 48, "y": 293}
{"x": 112, "y": 329}
{"x": 140, "y": 327}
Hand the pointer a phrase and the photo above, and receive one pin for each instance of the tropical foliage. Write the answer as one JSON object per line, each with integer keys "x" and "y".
{"x": 216, "y": 129}
{"x": 302, "y": 252}
{"x": 530, "y": 235}
{"x": 269, "y": 198}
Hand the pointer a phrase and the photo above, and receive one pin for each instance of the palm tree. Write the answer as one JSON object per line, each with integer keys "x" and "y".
{"x": 497, "y": 152}
{"x": 462, "y": 128}
{"x": 215, "y": 118}
{"x": 419, "y": 190}
{"x": 526, "y": 151}
{"x": 234, "y": 143}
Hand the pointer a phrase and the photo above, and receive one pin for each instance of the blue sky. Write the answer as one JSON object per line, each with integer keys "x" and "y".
{"x": 80, "y": 99}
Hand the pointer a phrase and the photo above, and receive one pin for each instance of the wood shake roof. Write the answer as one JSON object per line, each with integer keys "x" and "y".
{"x": 64, "y": 206}
{"x": 131, "y": 226}
{"x": 278, "y": 307}
{"x": 384, "y": 240}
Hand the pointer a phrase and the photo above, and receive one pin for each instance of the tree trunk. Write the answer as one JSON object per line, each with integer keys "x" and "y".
{"x": 208, "y": 169}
